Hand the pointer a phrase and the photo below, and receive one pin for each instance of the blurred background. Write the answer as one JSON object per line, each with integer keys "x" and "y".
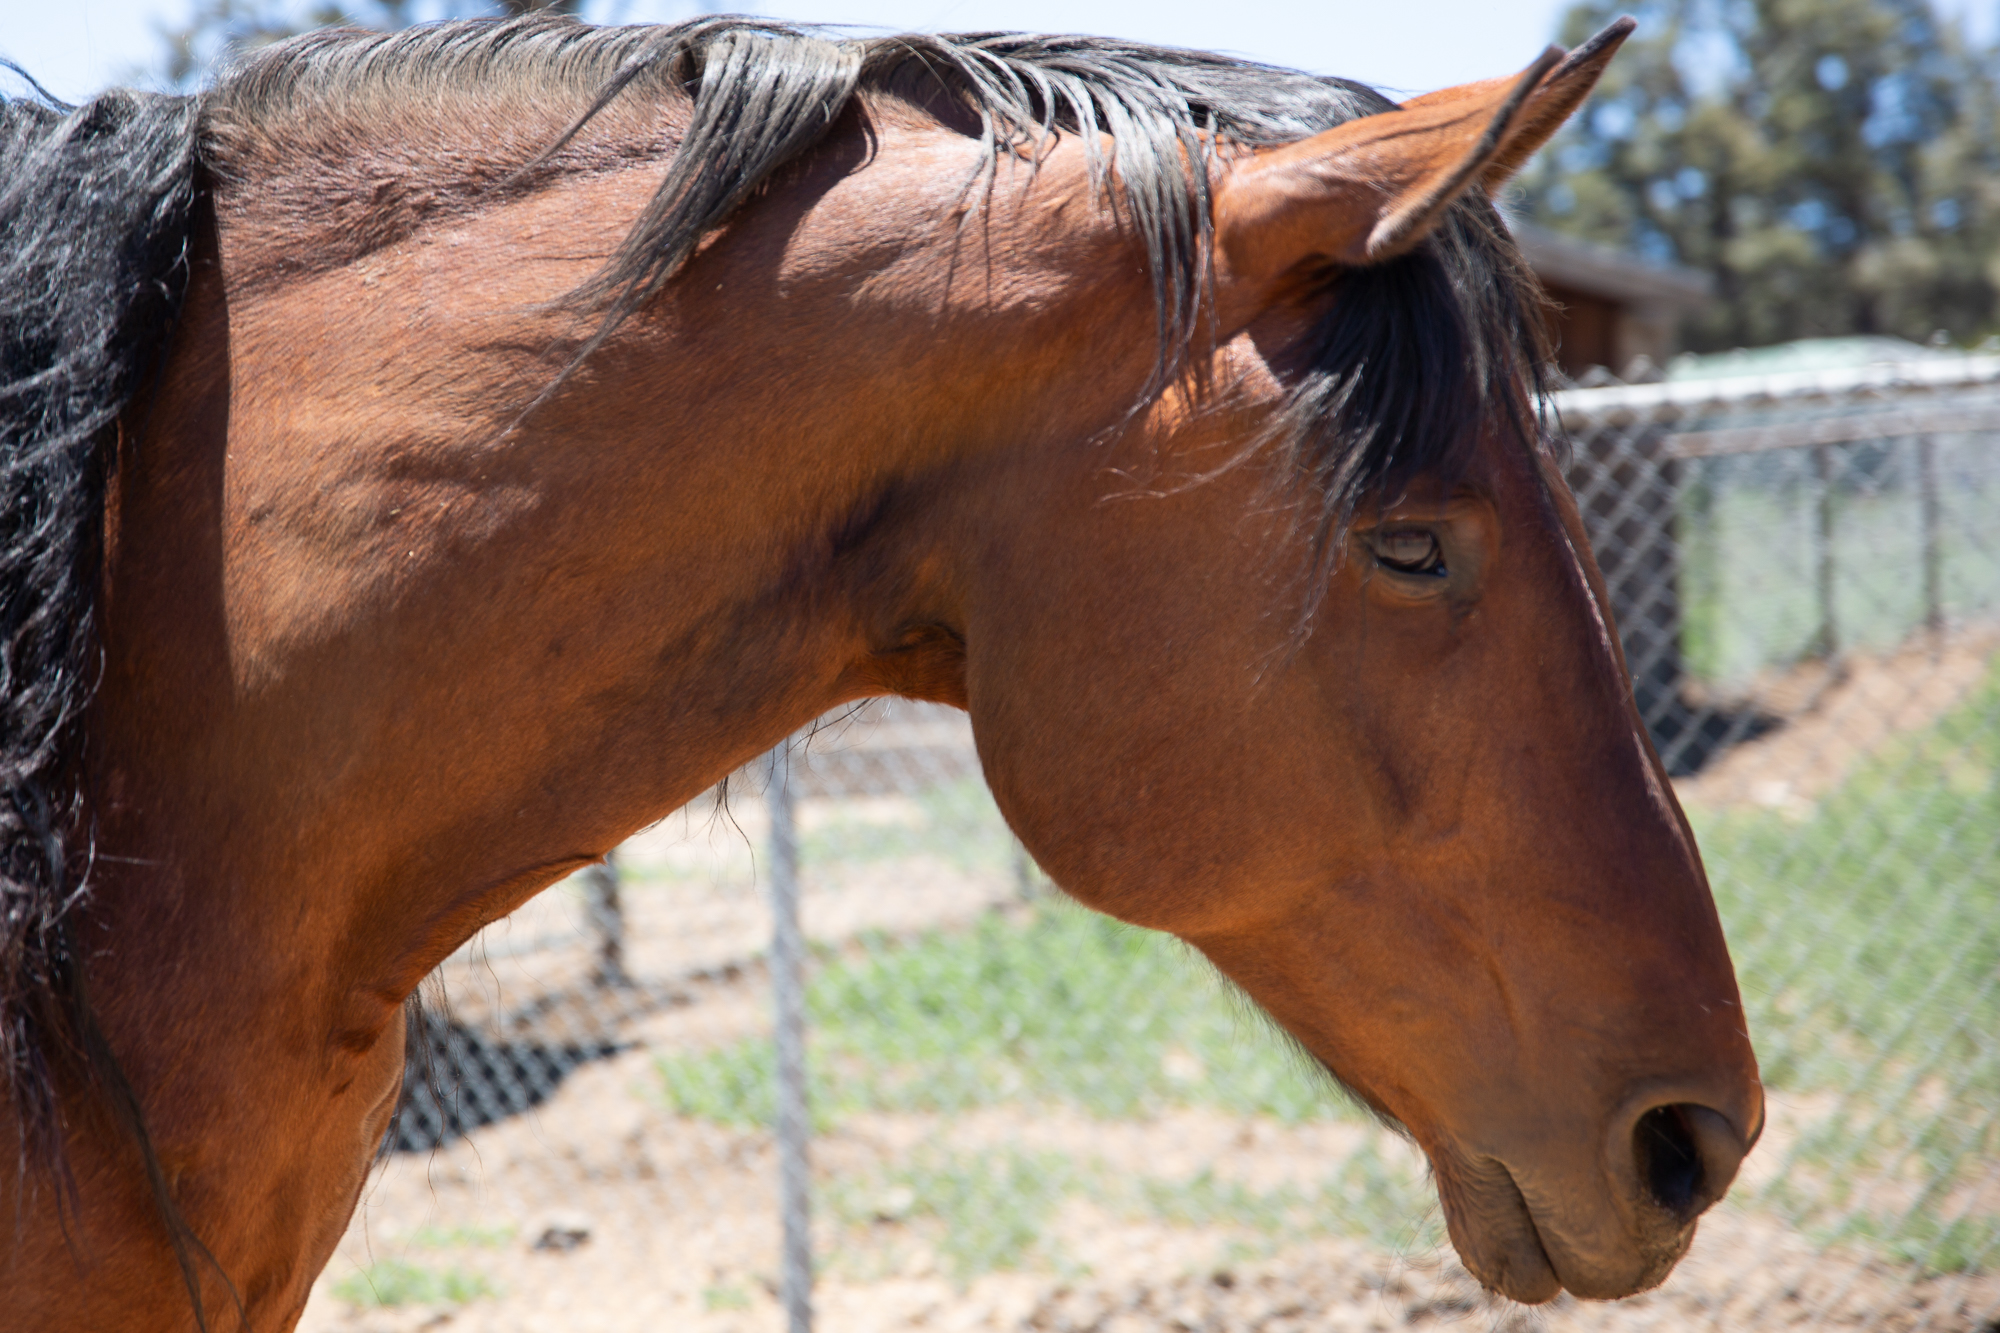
{"x": 1772, "y": 248}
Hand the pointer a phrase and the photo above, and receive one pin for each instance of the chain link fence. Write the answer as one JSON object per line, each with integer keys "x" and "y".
{"x": 827, "y": 1049}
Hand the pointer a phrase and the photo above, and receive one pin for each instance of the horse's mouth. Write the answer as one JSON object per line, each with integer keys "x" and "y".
{"x": 1494, "y": 1232}
{"x": 1526, "y": 1259}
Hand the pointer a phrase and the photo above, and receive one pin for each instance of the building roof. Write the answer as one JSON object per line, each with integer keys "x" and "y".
{"x": 1884, "y": 378}
{"x": 1596, "y": 270}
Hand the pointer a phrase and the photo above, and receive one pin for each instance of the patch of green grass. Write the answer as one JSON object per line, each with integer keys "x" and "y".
{"x": 957, "y": 824}
{"x": 1065, "y": 1006}
{"x": 467, "y": 1237}
{"x": 399, "y": 1282}
{"x": 1365, "y": 1198}
{"x": 954, "y": 823}
{"x": 1867, "y": 942}
{"x": 731, "y": 1086}
{"x": 991, "y": 1211}
{"x": 1749, "y": 550}
{"x": 1964, "y": 1245}
{"x": 984, "y": 1212}
{"x": 724, "y": 1297}
{"x": 1870, "y": 931}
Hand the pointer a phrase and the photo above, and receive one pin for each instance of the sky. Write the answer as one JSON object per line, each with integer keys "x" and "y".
{"x": 76, "y": 47}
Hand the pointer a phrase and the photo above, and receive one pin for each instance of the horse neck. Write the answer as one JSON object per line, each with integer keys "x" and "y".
{"x": 379, "y": 651}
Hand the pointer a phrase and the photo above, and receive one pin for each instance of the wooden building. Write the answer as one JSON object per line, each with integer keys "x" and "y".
{"x": 1609, "y": 308}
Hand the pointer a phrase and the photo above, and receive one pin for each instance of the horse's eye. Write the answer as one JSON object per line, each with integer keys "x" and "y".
{"x": 1410, "y": 551}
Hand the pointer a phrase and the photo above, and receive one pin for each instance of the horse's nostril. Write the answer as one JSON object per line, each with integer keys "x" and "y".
{"x": 1669, "y": 1161}
{"x": 1687, "y": 1155}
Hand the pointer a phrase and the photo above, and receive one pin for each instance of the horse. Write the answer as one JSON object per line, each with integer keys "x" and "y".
{"x": 432, "y": 457}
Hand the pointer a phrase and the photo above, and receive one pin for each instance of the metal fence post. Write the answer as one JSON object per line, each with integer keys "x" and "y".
{"x": 605, "y": 912}
{"x": 788, "y": 994}
{"x": 1829, "y": 626}
{"x": 1927, "y": 491}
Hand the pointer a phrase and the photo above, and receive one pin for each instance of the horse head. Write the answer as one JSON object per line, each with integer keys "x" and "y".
{"x": 1374, "y": 751}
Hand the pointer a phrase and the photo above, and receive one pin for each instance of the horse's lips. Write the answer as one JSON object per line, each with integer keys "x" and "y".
{"x": 1506, "y": 1247}
{"x": 1494, "y": 1231}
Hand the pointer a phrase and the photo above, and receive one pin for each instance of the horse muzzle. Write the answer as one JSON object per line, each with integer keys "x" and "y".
{"x": 1536, "y": 1220}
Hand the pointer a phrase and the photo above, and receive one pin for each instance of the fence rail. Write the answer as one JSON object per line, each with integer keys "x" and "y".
{"x": 992, "y": 1110}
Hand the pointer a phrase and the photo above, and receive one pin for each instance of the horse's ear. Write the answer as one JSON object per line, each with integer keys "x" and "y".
{"x": 1558, "y": 97}
{"x": 1371, "y": 189}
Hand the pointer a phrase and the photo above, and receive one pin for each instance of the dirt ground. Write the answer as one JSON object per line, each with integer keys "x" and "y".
{"x": 1835, "y": 715}
{"x": 681, "y": 1234}
{"x": 600, "y": 1210}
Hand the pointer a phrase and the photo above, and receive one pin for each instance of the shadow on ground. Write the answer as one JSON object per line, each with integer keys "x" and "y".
{"x": 1691, "y": 735}
{"x": 457, "y": 1078}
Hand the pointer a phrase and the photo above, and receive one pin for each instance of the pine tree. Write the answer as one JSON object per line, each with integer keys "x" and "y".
{"x": 1831, "y": 163}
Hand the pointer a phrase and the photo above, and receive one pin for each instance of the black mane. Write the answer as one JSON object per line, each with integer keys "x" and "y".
{"x": 94, "y": 222}
{"x": 95, "y": 207}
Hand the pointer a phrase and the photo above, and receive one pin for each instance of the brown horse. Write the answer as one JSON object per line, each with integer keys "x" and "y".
{"x": 554, "y": 418}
